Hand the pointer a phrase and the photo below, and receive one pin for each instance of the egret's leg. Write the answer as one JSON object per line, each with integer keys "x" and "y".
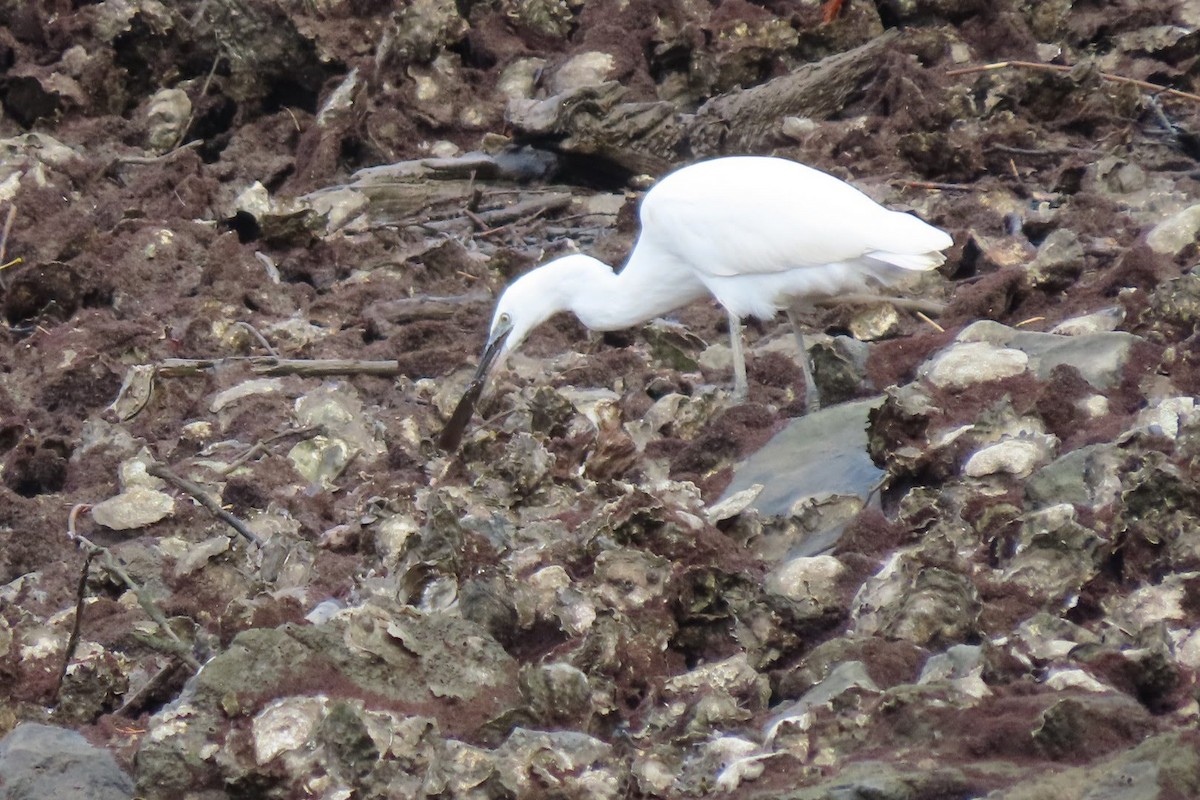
{"x": 741, "y": 387}
{"x": 812, "y": 398}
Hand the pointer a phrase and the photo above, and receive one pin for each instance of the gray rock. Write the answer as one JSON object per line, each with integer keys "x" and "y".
{"x": 815, "y": 458}
{"x": 850, "y": 675}
{"x": 169, "y": 112}
{"x": 582, "y": 70}
{"x": 1100, "y": 357}
{"x": 816, "y": 455}
{"x": 1106, "y": 319}
{"x": 966, "y": 363}
{"x": 961, "y": 667}
{"x": 1015, "y": 456}
{"x": 1175, "y": 232}
{"x": 134, "y": 508}
{"x": 42, "y": 761}
{"x": 1085, "y": 477}
{"x": 839, "y": 368}
{"x": 1059, "y": 259}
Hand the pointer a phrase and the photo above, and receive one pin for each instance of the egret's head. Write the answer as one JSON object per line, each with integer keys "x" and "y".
{"x": 537, "y": 296}
{"x": 528, "y": 302}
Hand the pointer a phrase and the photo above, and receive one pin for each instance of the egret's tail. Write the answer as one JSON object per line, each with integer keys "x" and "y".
{"x": 918, "y": 262}
{"x": 909, "y": 243}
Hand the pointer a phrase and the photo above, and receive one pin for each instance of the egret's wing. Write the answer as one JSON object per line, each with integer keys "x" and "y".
{"x": 743, "y": 216}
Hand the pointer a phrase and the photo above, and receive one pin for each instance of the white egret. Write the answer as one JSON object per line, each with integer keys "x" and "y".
{"x": 759, "y": 234}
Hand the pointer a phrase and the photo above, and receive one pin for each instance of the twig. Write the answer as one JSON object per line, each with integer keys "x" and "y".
{"x": 1047, "y": 151}
{"x": 261, "y": 339}
{"x": 167, "y": 156}
{"x": 112, "y": 565}
{"x": 475, "y": 220}
{"x": 271, "y": 366}
{"x": 261, "y": 446}
{"x": 525, "y": 220}
{"x": 4, "y": 232}
{"x": 203, "y": 91}
{"x": 948, "y": 187}
{"x": 1012, "y": 166}
{"x": 139, "y": 698}
{"x": 1108, "y": 76}
{"x": 205, "y": 499}
{"x": 8, "y": 223}
{"x": 866, "y": 298}
{"x": 926, "y": 319}
{"x": 320, "y": 367}
{"x": 77, "y": 625}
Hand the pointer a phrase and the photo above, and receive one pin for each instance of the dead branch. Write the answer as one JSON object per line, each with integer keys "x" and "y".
{"x": 271, "y": 366}
{"x": 138, "y": 699}
{"x": 167, "y": 156}
{"x": 192, "y": 117}
{"x": 262, "y": 445}
{"x": 205, "y": 499}
{"x": 77, "y": 624}
{"x": 935, "y": 185}
{"x": 743, "y": 120}
{"x": 913, "y": 304}
{"x": 409, "y": 309}
{"x": 261, "y": 339}
{"x": 1063, "y": 68}
{"x": 322, "y": 367}
{"x": 112, "y": 565}
{"x": 649, "y": 137}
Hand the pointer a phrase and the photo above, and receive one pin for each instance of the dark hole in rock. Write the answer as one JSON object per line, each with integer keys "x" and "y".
{"x": 245, "y": 226}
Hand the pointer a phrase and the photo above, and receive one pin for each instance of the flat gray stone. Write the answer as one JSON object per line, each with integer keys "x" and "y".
{"x": 964, "y": 364}
{"x": 1175, "y": 232}
{"x": 40, "y": 762}
{"x": 815, "y": 456}
{"x": 1099, "y": 357}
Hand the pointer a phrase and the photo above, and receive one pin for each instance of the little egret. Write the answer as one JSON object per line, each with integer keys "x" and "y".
{"x": 759, "y": 234}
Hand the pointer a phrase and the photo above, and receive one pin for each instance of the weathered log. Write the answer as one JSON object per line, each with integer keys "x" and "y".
{"x": 649, "y": 137}
{"x": 746, "y": 120}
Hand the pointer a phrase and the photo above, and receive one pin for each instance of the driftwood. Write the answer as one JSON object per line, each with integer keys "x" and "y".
{"x": 649, "y": 137}
{"x": 272, "y": 366}
{"x": 437, "y": 193}
{"x": 745, "y": 120}
{"x": 482, "y": 192}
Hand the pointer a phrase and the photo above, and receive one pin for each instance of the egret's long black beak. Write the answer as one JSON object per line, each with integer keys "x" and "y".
{"x": 452, "y": 434}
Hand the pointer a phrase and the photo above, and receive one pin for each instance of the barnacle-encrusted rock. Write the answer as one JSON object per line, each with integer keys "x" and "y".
{"x": 923, "y": 605}
{"x": 967, "y": 363}
{"x": 569, "y": 763}
{"x": 424, "y": 27}
{"x": 1055, "y": 555}
{"x": 1176, "y": 232}
{"x": 1173, "y": 313}
{"x": 170, "y": 110}
{"x": 1058, "y": 262}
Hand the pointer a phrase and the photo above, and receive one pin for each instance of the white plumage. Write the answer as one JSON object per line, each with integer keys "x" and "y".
{"x": 759, "y": 234}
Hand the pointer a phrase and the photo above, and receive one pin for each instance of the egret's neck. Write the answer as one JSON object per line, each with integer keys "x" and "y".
{"x": 646, "y": 288}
